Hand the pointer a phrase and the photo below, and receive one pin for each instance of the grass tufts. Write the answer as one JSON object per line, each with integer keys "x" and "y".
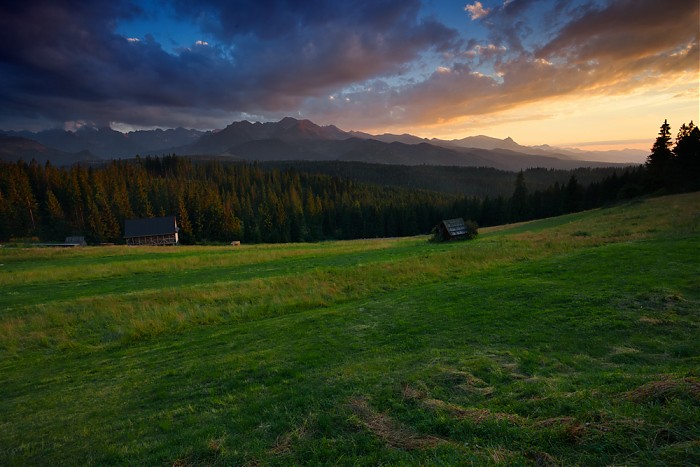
{"x": 389, "y": 431}
{"x": 665, "y": 390}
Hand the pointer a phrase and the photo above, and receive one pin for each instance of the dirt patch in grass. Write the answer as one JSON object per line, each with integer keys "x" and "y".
{"x": 409, "y": 392}
{"x": 554, "y": 422}
{"x": 665, "y": 390}
{"x": 390, "y": 431}
{"x": 196, "y": 461}
{"x": 572, "y": 428}
{"x": 474, "y": 415}
{"x": 501, "y": 455}
{"x": 542, "y": 459}
{"x": 623, "y": 350}
{"x": 652, "y": 321}
{"x": 598, "y": 424}
{"x": 509, "y": 365}
{"x": 465, "y": 382}
{"x": 283, "y": 443}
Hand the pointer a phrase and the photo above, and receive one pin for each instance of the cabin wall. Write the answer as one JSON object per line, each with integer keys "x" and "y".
{"x": 154, "y": 240}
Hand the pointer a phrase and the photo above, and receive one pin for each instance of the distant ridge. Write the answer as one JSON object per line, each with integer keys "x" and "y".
{"x": 14, "y": 148}
{"x": 107, "y": 143}
{"x": 293, "y": 139}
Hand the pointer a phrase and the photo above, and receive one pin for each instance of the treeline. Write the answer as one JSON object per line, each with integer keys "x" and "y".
{"x": 213, "y": 201}
{"x": 674, "y": 166}
{"x": 216, "y": 201}
{"x": 452, "y": 180}
{"x": 671, "y": 167}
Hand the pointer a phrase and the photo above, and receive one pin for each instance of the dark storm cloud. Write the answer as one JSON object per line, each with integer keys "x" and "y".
{"x": 63, "y": 60}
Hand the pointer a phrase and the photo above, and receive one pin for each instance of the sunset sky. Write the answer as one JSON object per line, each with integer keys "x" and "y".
{"x": 593, "y": 74}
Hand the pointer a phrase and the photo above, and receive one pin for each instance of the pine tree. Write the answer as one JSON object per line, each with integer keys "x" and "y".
{"x": 183, "y": 221}
{"x": 573, "y": 196}
{"x": 55, "y": 227}
{"x": 659, "y": 161}
{"x": 687, "y": 151}
{"x": 519, "y": 209}
{"x": 22, "y": 203}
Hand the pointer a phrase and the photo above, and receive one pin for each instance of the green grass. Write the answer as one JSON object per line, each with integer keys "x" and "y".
{"x": 567, "y": 341}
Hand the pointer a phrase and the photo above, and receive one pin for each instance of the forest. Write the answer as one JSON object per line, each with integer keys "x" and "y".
{"x": 218, "y": 201}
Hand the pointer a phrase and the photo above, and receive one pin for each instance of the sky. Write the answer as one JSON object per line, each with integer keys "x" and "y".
{"x": 594, "y": 74}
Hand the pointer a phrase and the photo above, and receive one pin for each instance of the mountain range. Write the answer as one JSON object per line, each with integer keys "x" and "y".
{"x": 292, "y": 139}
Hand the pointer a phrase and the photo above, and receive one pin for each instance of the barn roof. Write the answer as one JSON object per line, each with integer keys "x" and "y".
{"x": 150, "y": 226}
{"x": 455, "y": 227}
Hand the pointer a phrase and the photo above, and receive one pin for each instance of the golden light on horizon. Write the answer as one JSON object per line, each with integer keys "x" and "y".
{"x": 579, "y": 122}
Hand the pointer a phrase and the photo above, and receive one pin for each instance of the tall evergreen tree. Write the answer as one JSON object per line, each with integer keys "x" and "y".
{"x": 55, "y": 227}
{"x": 573, "y": 196}
{"x": 519, "y": 209}
{"x": 687, "y": 151}
{"x": 183, "y": 221}
{"x": 659, "y": 161}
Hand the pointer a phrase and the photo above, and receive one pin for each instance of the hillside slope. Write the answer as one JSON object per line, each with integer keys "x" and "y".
{"x": 567, "y": 341}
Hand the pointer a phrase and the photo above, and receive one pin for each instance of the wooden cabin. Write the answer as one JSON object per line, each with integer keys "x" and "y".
{"x": 451, "y": 229}
{"x": 76, "y": 241}
{"x": 151, "y": 231}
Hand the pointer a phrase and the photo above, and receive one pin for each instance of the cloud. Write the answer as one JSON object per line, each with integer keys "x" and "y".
{"x": 616, "y": 49}
{"x": 64, "y": 61}
{"x": 381, "y": 61}
{"x": 476, "y": 11}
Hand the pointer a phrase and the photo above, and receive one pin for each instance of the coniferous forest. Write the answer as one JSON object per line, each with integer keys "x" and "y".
{"x": 217, "y": 201}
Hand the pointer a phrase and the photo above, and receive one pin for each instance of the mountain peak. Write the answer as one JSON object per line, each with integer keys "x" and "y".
{"x": 288, "y": 122}
{"x": 287, "y": 130}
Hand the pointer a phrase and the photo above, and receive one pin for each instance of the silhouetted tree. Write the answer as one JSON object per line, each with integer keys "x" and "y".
{"x": 687, "y": 161}
{"x": 659, "y": 161}
{"x": 519, "y": 208}
{"x": 573, "y": 196}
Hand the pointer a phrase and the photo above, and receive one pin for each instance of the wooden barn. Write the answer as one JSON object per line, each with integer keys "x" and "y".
{"x": 451, "y": 229}
{"x": 151, "y": 231}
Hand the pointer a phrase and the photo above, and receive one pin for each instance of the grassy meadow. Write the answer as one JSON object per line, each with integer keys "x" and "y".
{"x": 567, "y": 341}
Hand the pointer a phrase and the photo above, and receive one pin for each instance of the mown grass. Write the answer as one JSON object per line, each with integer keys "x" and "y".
{"x": 560, "y": 342}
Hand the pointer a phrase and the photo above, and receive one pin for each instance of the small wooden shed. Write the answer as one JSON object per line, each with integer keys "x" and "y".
{"x": 76, "y": 241}
{"x": 451, "y": 229}
{"x": 151, "y": 231}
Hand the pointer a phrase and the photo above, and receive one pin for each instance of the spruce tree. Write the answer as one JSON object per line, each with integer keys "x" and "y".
{"x": 573, "y": 196}
{"x": 659, "y": 161}
{"x": 687, "y": 151}
{"x": 518, "y": 202}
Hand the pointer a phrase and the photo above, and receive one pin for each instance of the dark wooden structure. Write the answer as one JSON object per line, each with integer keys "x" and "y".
{"x": 451, "y": 229}
{"x": 76, "y": 240}
{"x": 70, "y": 242}
{"x": 151, "y": 231}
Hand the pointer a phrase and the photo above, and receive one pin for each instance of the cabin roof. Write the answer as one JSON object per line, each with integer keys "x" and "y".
{"x": 150, "y": 226}
{"x": 455, "y": 227}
